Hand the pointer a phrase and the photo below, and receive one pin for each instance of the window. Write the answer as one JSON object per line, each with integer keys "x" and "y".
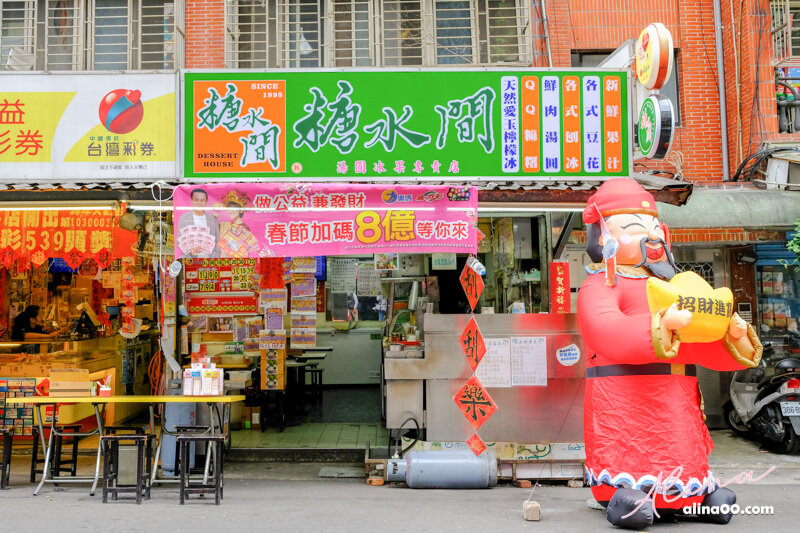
{"x": 364, "y": 33}
{"x": 785, "y": 32}
{"x": 87, "y": 34}
{"x": 704, "y": 270}
{"x": 670, "y": 90}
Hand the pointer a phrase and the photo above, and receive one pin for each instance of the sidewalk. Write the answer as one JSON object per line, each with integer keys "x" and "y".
{"x": 291, "y": 496}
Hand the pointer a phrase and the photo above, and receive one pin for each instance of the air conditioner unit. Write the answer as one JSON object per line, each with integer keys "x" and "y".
{"x": 19, "y": 59}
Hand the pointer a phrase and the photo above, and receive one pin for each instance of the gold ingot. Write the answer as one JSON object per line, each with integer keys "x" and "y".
{"x": 711, "y": 308}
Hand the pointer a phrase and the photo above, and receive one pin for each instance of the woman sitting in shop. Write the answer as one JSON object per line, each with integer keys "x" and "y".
{"x": 29, "y": 326}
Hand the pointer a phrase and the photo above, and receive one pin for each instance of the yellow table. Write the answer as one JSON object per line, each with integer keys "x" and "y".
{"x": 99, "y": 403}
{"x": 157, "y": 399}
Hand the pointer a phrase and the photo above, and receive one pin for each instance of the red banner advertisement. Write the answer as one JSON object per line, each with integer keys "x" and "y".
{"x": 222, "y": 305}
{"x": 560, "y": 301}
{"x": 73, "y": 235}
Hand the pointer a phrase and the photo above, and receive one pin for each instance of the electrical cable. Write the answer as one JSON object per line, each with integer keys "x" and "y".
{"x": 416, "y": 437}
{"x": 757, "y": 158}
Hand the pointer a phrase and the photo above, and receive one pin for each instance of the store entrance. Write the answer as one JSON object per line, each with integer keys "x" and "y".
{"x": 452, "y": 300}
{"x": 332, "y": 396}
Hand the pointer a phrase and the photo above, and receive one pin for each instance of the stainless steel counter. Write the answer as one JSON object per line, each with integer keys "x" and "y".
{"x": 526, "y": 414}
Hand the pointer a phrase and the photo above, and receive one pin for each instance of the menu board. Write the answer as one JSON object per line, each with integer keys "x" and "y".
{"x": 528, "y": 361}
{"x": 218, "y": 275}
{"x": 342, "y": 275}
{"x": 369, "y": 280}
{"x": 494, "y": 370}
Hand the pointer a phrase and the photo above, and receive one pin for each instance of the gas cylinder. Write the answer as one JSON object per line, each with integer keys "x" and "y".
{"x": 457, "y": 469}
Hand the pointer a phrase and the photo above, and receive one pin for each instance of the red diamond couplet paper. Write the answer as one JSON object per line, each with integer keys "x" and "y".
{"x": 476, "y": 444}
{"x": 475, "y": 402}
{"x": 38, "y": 257}
{"x": 472, "y": 284}
{"x": 472, "y": 344}
{"x": 74, "y": 258}
{"x": 103, "y": 258}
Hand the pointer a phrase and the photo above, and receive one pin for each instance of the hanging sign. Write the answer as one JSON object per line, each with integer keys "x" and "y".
{"x": 222, "y": 304}
{"x": 560, "y": 301}
{"x": 73, "y": 235}
{"x": 655, "y": 129}
{"x": 368, "y": 126}
{"x": 654, "y": 56}
{"x": 218, "y": 275}
{"x": 111, "y": 126}
{"x": 249, "y": 220}
{"x": 443, "y": 261}
{"x": 472, "y": 284}
{"x": 472, "y": 343}
{"x": 475, "y": 403}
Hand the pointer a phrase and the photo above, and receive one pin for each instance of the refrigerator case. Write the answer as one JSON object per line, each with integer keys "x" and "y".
{"x": 778, "y": 300}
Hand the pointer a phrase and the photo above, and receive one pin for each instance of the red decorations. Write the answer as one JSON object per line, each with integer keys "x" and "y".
{"x": 88, "y": 268}
{"x": 476, "y": 444}
{"x": 103, "y": 258}
{"x": 22, "y": 264}
{"x": 473, "y": 400}
{"x": 472, "y": 284}
{"x": 38, "y": 257}
{"x": 272, "y": 271}
{"x": 472, "y": 344}
{"x": 476, "y": 404}
{"x": 74, "y": 258}
{"x": 559, "y": 287}
{"x": 7, "y": 258}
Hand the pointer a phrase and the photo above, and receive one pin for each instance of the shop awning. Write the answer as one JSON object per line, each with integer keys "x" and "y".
{"x": 735, "y": 208}
{"x": 575, "y": 192}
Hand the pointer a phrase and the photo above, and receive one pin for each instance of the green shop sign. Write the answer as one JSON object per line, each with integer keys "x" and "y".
{"x": 391, "y": 125}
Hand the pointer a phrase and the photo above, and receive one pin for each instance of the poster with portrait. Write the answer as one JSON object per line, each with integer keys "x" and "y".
{"x": 387, "y": 261}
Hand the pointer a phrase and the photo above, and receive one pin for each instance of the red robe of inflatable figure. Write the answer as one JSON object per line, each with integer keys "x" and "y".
{"x": 642, "y": 413}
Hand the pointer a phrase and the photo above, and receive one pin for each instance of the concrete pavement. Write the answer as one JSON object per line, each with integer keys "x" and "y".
{"x": 291, "y": 497}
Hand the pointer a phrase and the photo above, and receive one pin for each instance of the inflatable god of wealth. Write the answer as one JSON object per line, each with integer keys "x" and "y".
{"x": 646, "y": 327}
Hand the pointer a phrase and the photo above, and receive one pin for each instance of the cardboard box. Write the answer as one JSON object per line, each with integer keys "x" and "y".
{"x": 66, "y": 382}
{"x": 777, "y": 283}
{"x": 247, "y": 417}
{"x": 69, "y": 374}
{"x": 780, "y": 315}
{"x": 766, "y": 283}
{"x": 768, "y": 315}
{"x": 144, "y": 311}
{"x": 70, "y": 388}
{"x": 255, "y": 417}
{"x": 144, "y": 294}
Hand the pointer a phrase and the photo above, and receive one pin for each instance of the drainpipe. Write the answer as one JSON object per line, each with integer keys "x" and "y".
{"x": 546, "y": 35}
{"x": 723, "y": 106}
